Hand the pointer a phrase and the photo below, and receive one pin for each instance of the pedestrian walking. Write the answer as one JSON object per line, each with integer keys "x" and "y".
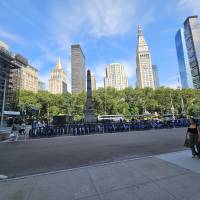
{"x": 23, "y": 127}
{"x": 194, "y": 136}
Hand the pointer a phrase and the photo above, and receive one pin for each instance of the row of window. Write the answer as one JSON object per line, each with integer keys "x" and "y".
{"x": 144, "y": 55}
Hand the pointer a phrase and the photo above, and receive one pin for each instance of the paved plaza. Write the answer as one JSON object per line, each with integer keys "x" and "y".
{"x": 147, "y": 165}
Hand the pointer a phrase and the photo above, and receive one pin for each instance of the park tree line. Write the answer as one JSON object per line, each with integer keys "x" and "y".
{"x": 111, "y": 101}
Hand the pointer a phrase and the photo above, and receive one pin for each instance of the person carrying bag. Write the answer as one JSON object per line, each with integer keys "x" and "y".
{"x": 192, "y": 139}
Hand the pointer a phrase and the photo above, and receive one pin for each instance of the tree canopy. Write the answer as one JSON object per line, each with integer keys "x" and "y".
{"x": 111, "y": 101}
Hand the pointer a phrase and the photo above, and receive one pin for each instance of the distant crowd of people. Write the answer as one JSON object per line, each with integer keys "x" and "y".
{"x": 41, "y": 129}
{"x": 17, "y": 130}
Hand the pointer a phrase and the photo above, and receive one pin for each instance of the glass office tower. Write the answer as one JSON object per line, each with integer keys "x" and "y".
{"x": 192, "y": 39}
{"x": 183, "y": 61}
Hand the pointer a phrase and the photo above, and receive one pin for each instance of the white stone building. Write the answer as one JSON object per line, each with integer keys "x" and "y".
{"x": 29, "y": 78}
{"x": 26, "y": 76}
{"x": 58, "y": 80}
{"x": 116, "y": 76}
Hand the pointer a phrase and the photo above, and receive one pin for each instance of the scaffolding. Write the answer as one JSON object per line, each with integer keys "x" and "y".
{"x": 10, "y": 68}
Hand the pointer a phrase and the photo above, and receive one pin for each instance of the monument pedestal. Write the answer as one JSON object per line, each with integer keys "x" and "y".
{"x": 90, "y": 116}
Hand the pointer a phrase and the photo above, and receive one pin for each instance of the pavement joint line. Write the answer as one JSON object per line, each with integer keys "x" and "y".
{"x": 126, "y": 187}
{"x": 74, "y": 169}
{"x": 86, "y": 197}
{"x": 91, "y": 180}
{"x": 154, "y": 181}
{"x": 172, "y": 195}
{"x": 140, "y": 184}
{"x": 168, "y": 177}
{"x": 85, "y": 167}
{"x": 33, "y": 187}
{"x": 149, "y": 180}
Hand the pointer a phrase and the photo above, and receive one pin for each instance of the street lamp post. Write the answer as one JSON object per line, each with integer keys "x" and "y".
{"x": 172, "y": 110}
{"x": 182, "y": 107}
{"x": 3, "y": 103}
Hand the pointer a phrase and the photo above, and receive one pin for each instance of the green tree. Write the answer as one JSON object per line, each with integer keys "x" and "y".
{"x": 111, "y": 101}
{"x": 27, "y": 101}
{"x": 79, "y": 103}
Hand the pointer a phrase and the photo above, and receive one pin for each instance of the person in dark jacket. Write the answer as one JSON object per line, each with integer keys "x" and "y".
{"x": 194, "y": 132}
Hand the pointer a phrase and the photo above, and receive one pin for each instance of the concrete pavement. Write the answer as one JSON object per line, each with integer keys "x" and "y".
{"x": 147, "y": 178}
{"x": 46, "y": 155}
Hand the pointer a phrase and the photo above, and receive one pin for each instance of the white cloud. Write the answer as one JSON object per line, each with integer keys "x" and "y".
{"x": 44, "y": 78}
{"x": 172, "y": 82}
{"x": 103, "y": 18}
{"x": 130, "y": 67}
{"x": 99, "y": 72}
{"x": 192, "y": 5}
{"x": 173, "y": 78}
{"x": 173, "y": 85}
{"x": 12, "y": 37}
{"x": 38, "y": 63}
{"x": 74, "y": 22}
{"x": 110, "y": 17}
{"x": 130, "y": 70}
{"x": 26, "y": 11}
{"x": 48, "y": 60}
{"x": 99, "y": 18}
{"x": 169, "y": 31}
{"x": 48, "y": 53}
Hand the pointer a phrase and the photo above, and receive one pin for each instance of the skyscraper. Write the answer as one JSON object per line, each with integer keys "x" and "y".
{"x": 192, "y": 39}
{"x": 93, "y": 81}
{"x": 155, "y": 76}
{"x": 77, "y": 69}
{"x": 183, "y": 61}
{"x": 41, "y": 86}
{"x": 144, "y": 69}
{"x": 115, "y": 76}
{"x": 58, "y": 80}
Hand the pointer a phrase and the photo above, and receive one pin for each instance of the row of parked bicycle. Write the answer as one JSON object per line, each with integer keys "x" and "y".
{"x": 85, "y": 129}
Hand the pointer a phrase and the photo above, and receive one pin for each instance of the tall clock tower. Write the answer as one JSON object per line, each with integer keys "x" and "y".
{"x": 144, "y": 68}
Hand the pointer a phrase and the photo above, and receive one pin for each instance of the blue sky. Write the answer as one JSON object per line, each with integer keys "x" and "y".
{"x": 106, "y": 29}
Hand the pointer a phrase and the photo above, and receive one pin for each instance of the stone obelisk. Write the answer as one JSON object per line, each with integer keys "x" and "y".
{"x": 89, "y": 113}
